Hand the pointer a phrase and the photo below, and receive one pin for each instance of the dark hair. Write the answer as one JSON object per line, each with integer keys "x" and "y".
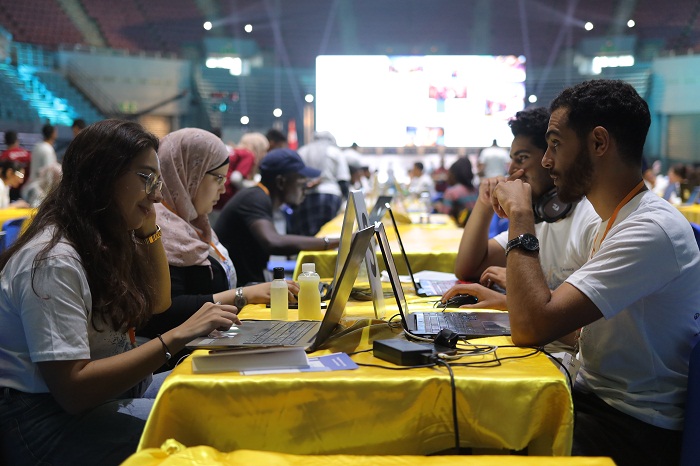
{"x": 419, "y": 165}
{"x": 6, "y": 165}
{"x": 47, "y": 131}
{"x": 10, "y": 137}
{"x": 616, "y": 106}
{"x": 275, "y": 135}
{"x": 531, "y": 123}
{"x": 79, "y": 123}
{"x": 678, "y": 168}
{"x": 83, "y": 210}
{"x": 462, "y": 172}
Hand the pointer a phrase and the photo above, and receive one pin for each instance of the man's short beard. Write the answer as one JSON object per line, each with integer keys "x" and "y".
{"x": 576, "y": 182}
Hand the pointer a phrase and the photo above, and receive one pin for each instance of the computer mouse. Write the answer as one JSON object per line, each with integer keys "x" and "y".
{"x": 460, "y": 300}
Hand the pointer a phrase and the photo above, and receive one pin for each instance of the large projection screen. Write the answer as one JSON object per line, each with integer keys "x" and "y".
{"x": 403, "y": 101}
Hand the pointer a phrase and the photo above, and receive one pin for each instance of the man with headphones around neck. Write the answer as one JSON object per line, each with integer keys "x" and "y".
{"x": 565, "y": 231}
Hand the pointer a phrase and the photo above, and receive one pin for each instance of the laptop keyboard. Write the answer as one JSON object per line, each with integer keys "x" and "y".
{"x": 281, "y": 333}
{"x": 436, "y": 287}
{"x": 433, "y": 322}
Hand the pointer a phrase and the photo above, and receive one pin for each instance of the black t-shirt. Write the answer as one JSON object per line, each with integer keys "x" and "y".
{"x": 233, "y": 229}
{"x": 190, "y": 288}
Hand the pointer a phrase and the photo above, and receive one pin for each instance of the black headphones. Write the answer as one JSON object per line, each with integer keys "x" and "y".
{"x": 549, "y": 208}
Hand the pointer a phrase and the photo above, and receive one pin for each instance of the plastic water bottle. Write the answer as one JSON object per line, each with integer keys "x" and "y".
{"x": 426, "y": 207}
{"x": 279, "y": 304}
{"x": 309, "y": 294}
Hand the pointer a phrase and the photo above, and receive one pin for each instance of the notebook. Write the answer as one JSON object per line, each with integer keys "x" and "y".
{"x": 423, "y": 287}
{"x": 308, "y": 334}
{"x": 467, "y": 324}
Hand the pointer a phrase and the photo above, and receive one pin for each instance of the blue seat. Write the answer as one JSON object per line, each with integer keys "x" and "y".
{"x": 690, "y": 452}
{"x": 12, "y": 229}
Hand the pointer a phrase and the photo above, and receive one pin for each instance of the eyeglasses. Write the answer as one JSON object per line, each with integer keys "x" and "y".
{"x": 153, "y": 182}
{"x": 19, "y": 175}
{"x": 221, "y": 179}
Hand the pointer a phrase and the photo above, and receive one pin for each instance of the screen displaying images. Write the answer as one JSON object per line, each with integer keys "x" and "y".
{"x": 399, "y": 101}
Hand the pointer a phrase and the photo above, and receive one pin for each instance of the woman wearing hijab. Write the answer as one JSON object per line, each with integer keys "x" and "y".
{"x": 194, "y": 164}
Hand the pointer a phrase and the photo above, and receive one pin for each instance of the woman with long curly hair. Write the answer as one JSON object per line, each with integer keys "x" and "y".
{"x": 75, "y": 389}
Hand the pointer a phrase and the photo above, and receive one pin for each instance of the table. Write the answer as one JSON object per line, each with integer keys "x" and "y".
{"x": 174, "y": 454}
{"x": 431, "y": 246}
{"x": 691, "y": 212}
{"x": 521, "y": 404}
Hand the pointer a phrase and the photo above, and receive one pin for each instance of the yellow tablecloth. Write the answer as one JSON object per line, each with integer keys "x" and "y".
{"x": 174, "y": 454}
{"x": 519, "y": 404}
{"x": 691, "y": 212}
{"x": 430, "y": 246}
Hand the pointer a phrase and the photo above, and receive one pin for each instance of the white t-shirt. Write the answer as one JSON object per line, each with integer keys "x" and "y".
{"x": 50, "y": 322}
{"x": 43, "y": 154}
{"x": 325, "y": 156}
{"x": 644, "y": 280}
{"x": 565, "y": 245}
{"x": 495, "y": 160}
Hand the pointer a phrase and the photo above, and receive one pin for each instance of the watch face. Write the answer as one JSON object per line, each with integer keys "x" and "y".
{"x": 530, "y": 242}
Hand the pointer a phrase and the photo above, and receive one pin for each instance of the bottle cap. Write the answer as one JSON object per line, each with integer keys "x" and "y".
{"x": 277, "y": 273}
{"x": 308, "y": 267}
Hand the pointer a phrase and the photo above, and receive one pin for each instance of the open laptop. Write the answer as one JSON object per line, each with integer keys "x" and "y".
{"x": 379, "y": 209}
{"x": 423, "y": 287}
{"x": 467, "y": 324}
{"x": 356, "y": 213}
{"x": 309, "y": 334}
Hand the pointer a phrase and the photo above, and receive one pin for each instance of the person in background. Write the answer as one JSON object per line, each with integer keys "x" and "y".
{"x": 89, "y": 268}
{"x": 246, "y": 225}
{"x": 325, "y": 195}
{"x": 677, "y": 174}
{"x": 15, "y": 153}
{"x": 36, "y": 190}
{"x": 565, "y": 242}
{"x": 439, "y": 176}
{"x": 460, "y": 196}
{"x": 276, "y": 139}
{"x": 243, "y": 162}
{"x": 359, "y": 172}
{"x": 11, "y": 177}
{"x": 420, "y": 180}
{"x": 43, "y": 152}
{"x": 77, "y": 126}
{"x": 634, "y": 303}
{"x": 493, "y": 161}
{"x": 194, "y": 164}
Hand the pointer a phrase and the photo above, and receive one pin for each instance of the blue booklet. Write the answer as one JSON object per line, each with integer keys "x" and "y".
{"x": 329, "y": 362}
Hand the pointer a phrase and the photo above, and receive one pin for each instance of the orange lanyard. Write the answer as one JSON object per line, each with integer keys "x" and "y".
{"x": 264, "y": 188}
{"x": 637, "y": 189}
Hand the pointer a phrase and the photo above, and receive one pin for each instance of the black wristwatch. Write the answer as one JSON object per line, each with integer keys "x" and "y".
{"x": 526, "y": 241}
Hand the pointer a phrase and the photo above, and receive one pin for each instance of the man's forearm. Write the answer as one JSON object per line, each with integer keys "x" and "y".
{"x": 473, "y": 247}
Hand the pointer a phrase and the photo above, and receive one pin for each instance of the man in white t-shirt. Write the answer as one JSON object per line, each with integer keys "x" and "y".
{"x": 493, "y": 161}
{"x": 636, "y": 299}
{"x": 43, "y": 152}
{"x": 325, "y": 195}
{"x": 566, "y": 232}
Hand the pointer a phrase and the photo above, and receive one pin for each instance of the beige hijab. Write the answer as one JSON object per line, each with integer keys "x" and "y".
{"x": 186, "y": 155}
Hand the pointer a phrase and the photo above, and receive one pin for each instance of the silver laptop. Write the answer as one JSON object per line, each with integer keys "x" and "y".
{"x": 379, "y": 208}
{"x": 466, "y": 324}
{"x": 309, "y": 334}
{"x": 423, "y": 287}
